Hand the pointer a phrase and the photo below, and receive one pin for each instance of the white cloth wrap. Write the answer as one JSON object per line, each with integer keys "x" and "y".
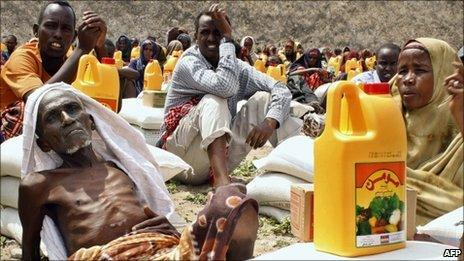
{"x": 114, "y": 140}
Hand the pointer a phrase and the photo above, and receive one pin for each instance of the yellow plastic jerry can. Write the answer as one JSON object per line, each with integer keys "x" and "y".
{"x": 170, "y": 65}
{"x": 334, "y": 64}
{"x": 359, "y": 202}
{"x": 135, "y": 52}
{"x": 99, "y": 80}
{"x": 259, "y": 65}
{"x": 277, "y": 72}
{"x": 153, "y": 77}
{"x": 118, "y": 59}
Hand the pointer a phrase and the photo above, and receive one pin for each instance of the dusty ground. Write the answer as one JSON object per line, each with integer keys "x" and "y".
{"x": 272, "y": 235}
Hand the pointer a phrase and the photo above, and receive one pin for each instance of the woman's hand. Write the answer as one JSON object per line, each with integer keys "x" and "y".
{"x": 454, "y": 84}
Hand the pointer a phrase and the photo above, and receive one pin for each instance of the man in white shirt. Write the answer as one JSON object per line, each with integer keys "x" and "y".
{"x": 386, "y": 65}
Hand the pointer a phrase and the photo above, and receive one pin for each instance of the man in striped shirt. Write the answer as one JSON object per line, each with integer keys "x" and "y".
{"x": 202, "y": 124}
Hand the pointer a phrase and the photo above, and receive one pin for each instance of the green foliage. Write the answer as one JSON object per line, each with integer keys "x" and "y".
{"x": 281, "y": 243}
{"x": 283, "y": 228}
{"x": 2, "y": 241}
{"x": 278, "y": 228}
{"x": 197, "y": 198}
{"x": 172, "y": 186}
{"x": 245, "y": 169}
{"x": 358, "y": 210}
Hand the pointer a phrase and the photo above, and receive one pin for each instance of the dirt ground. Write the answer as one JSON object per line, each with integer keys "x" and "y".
{"x": 272, "y": 235}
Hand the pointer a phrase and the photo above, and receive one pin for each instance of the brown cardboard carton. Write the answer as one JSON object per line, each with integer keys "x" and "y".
{"x": 411, "y": 201}
{"x": 154, "y": 99}
{"x": 301, "y": 211}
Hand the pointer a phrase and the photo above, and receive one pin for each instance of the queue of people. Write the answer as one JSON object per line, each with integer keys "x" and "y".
{"x": 202, "y": 126}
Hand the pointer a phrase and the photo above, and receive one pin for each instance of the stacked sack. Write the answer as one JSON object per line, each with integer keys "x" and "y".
{"x": 147, "y": 120}
{"x": 291, "y": 162}
{"x": 11, "y": 159}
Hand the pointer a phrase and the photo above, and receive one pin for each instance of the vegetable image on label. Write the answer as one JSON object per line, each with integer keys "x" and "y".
{"x": 380, "y": 208}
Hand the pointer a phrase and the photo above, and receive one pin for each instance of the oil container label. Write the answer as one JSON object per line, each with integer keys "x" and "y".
{"x": 111, "y": 104}
{"x": 380, "y": 203}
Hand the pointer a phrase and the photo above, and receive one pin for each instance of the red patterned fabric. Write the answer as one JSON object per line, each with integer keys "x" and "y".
{"x": 12, "y": 120}
{"x": 314, "y": 81}
{"x": 175, "y": 114}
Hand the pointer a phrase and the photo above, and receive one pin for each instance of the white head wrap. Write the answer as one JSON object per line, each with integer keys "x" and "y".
{"x": 242, "y": 42}
{"x": 114, "y": 140}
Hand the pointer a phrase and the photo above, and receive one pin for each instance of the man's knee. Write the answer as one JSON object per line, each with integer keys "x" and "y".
{"x": 260, "y": 96}
{"x": 210, "y": 100}
{"x": 214, "y": 107}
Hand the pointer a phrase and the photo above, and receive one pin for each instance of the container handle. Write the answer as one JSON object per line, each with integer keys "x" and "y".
{"x": 91, "y": 62}
{"x": 335, "y": 94}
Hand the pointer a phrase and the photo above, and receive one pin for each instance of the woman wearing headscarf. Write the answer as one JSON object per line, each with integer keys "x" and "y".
{"x": 174, "y": 45}
{"x": 288, "y": 54}
{"x": 435, "y": 145}
{"x": 123, "y": 44}
{"x": 185, "y": 40}
{"x": 312, "y": 60}
{"x": 247, "y": 54}
{"x": 148, "y": 51}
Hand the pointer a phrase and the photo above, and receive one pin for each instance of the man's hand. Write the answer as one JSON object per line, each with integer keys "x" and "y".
{"x": 259, "y": 135}
{"x": 91, "y": 32}
{"x": 219, "y": 17}
{"x": 155, "y": 223}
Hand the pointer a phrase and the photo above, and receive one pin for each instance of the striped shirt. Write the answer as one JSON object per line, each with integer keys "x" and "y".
{"x": 367, "y": 77}
{"x": 233, "y": 80}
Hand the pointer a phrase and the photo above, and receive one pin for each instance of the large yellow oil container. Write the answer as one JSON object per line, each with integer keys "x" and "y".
{"x": 277, "y": 72}
{"x": 260, "y": 66}
{"x": 135, "y": 52}
{"x": 359, "y": 174}
{"x": 99, "y": 80}
{"x": 118, "y": 59}
{"x": 153, "y": 77}
{"x": 170, "y": 65}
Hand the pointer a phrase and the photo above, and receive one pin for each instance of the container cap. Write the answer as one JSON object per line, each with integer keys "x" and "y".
{"x": 108, "y": 60}
{"x": 377, "y": 88}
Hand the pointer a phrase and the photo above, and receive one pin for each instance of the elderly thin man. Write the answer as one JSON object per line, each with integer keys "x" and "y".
{"x": 89, "y": 171}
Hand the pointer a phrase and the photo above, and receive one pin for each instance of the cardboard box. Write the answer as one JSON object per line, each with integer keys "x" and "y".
{"x": 154, "y": 99}
{"x": 301, "y": 211}
{"x": 411, "y": 201}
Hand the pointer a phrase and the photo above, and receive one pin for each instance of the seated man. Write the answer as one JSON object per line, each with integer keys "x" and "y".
{"x": 90, "y": 172}
{"x": 385, "y": 68}
{"x": 201, "y": 119}
{"x": 44, "y": 60}
{"x": 10, "y": 41}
